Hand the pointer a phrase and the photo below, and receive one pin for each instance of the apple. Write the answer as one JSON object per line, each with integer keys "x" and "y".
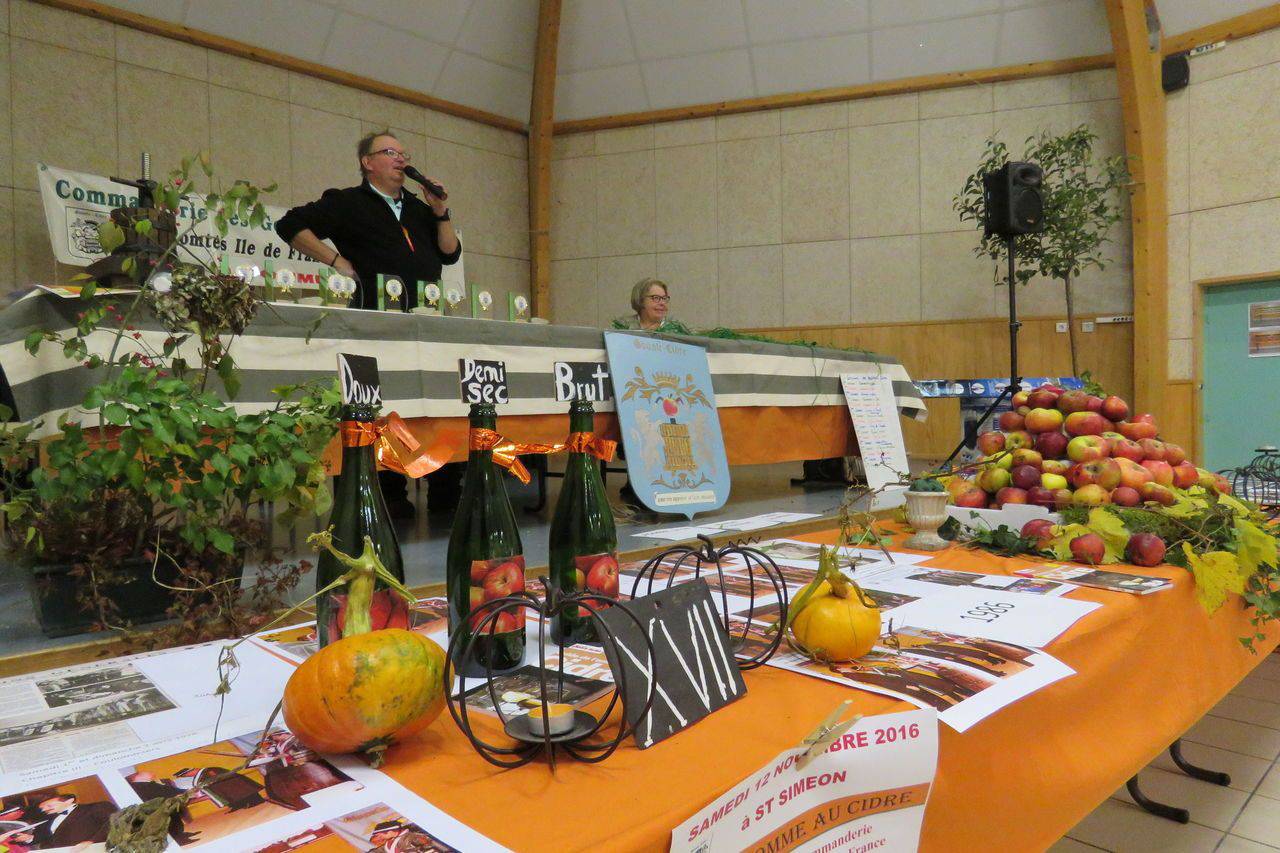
{"x": 479, "y": 568}
{"x": 1091, "y": 495}
{"x": 1114, "y": 408}
{"x": 990, "y": 443}
{"x": 1174, "y": 454}
{"x": 602, "y": 577}
{"x": 502, "y": 624}
{"x": 1205, "y": 478}
{"x": 1222, "y": 484}
{"x": 1086, "y": 448}
{"x": 1152, "y": 448}
{"x": 1010, "y": 495}
{"x": 1025, "y": 476}
{"x": 1055, "y": 466}
{"x": 1125, "y": 496}
{"x": 503, "y": 580}
{"x": 1099, "y": 472}
{"x": 1023, "y": 410}
{"x": 1026, "y": 456}
{"x": 1002, "y": 460}
{"x": 957, "y": 486}
{"x": 1156, "y": 493}
{"x": 1020, "y": 399}
{"x": 1145, "y": 549}
{"x": 1161, "y": 471}
{"x": 993, "y": 479}
{"x": 1093, "y": 403}
{"x": 1017, "y": 438}
{"x": 1063, "y": 498}
{"x": 477, "y": 597}
{"x": 1052, "y": 445}
{"x": 1041, "y": 496}
{"x": 1136, "y": 431}
{"x": 1144, "y": 418}
{"x": 1123, "y": 448}
{"x": 1185, "y": 475}
{"x": 1044, "y": 420}
{"x": 1043, "y": 398}
{"x": 1039, "y": 529}
{"x": 1053, "y": 482}
{"x": 1108, "y": 426}
{"x": 1073, "y": 401}
{"x": 1011, "y": 421}
{"x": 1088, "y": 548}
{"x": 974, "y": 498}
{"x": 1085, "y": 423}
{"x": 1132, "y": 474}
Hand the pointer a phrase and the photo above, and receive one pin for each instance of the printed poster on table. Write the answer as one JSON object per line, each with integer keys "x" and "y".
{"x": 868, "y": 791}
{"x": 875, "y": 424}
{"x": 669, "y": 424}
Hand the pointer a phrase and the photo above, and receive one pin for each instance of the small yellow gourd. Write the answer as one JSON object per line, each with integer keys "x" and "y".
{"x": 832, "y": 619}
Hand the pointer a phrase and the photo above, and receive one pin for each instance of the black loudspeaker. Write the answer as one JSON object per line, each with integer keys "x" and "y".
{"x": 1012, "y": 199}
{"x": 1175, "y": 72}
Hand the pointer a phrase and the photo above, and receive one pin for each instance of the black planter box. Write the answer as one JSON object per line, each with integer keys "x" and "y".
{"x": 53, "y": 595}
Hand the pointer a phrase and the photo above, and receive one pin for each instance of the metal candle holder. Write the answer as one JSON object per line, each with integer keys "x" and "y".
{"x": 1259, "y": 481}
{"x": 585, "y": 741}
{"x": 754, "y": 562}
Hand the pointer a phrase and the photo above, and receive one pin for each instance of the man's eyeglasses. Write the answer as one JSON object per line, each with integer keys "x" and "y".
{"x": 393, "y": 154}
{"x": 659, "y": 298}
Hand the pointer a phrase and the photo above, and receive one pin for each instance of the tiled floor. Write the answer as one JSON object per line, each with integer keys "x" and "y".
{"x": 1241, "y": 737}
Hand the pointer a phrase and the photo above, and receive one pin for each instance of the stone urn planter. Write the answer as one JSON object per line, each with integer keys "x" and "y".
{"x": 926, "y": 512}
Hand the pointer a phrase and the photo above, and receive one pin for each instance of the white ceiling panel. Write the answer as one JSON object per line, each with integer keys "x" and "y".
{"x": 438, "y": 20}
{"x": 594, "y": 34}
{"x": 770, "y": 20}
{"x": 468, "y": 79}
{"x": 296, "y": 27}
{"x": 699, "y": 79}
{"x": 1178, "y": 16}
{"x": 798, "y": 66}
{"x": 1060, "y": 31}
{"x": 958, "y": 45}
{"x": 375, "y": 50}
{"x": 600, "y": 91}
{"x": 502, "y": 31}
{"x": 892, "y": 13}
{"x": 663, "y": 28}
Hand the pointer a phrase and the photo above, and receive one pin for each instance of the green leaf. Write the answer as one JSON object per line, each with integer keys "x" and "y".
{"x": 114, "y": 413}
{"x": 1256, "y": 548}
{"x": 230, "y": 380}
{"x": 1217, "y": 574}
{"x": 221, "y": 464}
{"x": 110, "y": 236}
{"x": 89, "y": 288}
{"x": 241, "y": 453}
{"x": 32, "y": 341}
{"x": 1112, "y": 531}
{"x": 93, "y": 400}
{"x": 222, "y": 541}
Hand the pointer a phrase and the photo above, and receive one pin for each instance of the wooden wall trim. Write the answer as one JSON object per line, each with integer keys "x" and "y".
{"x": 1142, "y": 105}
{"x": 781, "y": 331}
{"x": 1248, "y": 24}
{"x": 923, "y": 83}
{"x": 199, "y": 38}
{"x": 541, "y": 131}
{"x": 1218, "y": 281}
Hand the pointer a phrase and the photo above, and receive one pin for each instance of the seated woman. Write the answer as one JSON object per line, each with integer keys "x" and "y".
{"x": 650, "y": 301}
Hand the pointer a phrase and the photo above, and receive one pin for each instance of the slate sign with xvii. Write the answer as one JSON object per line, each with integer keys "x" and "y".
{"x": 693, "y": 672}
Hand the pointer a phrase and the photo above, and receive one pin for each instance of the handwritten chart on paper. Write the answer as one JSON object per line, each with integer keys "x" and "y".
{"x": 875, "y": 424}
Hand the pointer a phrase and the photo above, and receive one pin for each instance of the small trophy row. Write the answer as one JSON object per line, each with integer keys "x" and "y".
{"x": 338, "y": 289}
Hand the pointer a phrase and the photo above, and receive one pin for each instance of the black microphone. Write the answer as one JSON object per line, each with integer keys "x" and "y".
{"x": 432, "y": 187}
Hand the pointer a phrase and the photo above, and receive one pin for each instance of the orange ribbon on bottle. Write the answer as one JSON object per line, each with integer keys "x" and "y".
{"x": 415, "y": 461}
{"x": 591, "y": 444}
{"x": 507, "y": 452}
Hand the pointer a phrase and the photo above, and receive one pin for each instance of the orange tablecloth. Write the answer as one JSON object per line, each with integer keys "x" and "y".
{"x": 1148, "y": 667}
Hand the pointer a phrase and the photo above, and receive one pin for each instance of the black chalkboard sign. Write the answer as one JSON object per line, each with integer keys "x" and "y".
{"x": 482, "y": 381}
{"x": 693, "y": 672}
{"x": 582, "y": 380}
{"x": 358, "y": 377}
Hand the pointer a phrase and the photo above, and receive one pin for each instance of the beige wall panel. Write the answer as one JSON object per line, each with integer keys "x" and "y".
{"x": 322, "y": 152}
{"x": 1178, "y": 154}
{"x": 1180, "y": 288}
{"x": 6, "y": 238}
{"x": 750, "y": 281}
{"x": 1235, "y": 130}
{"x": 249, "y": 137}
{"x": 884, "y": 180}
{"x": 815, "y": 278}
{"x": 884, "y": 274}
{"x": 150, "y": 99}
{"x": 573, "y": 208}
{"x": 950, "y": 150}
{"x": 749, "y": 192}
{"x": 692, "y": 132}
{"x": 1033, "y": 92}
{"x": 815, "y": 117}
{"x": 815, "y": 181}
{"x": 748, "y": 125}
{"x": 962, "y": 100}
{"x": 685, "y": 216}
{"x": 63, "y": 29}
{"x": 623, "y": 139}
{"x": 573, "y": 292}
{"x": 1235, "y": 240}
{"x": 953, "y": 283}
{"x": 887, "y": 109}
{"x": 161, "y": 54}
{"x": 625, "y": 203}
{"x": 615, "y": 277}
{"x": 235, "y": 72}
{"x": 693, "y": 278}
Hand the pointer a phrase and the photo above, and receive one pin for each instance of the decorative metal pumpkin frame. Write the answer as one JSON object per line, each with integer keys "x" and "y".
{"x": 583, "y": 747}
{"x": 1259, "y": 481}
{"x": 753, "y": 562}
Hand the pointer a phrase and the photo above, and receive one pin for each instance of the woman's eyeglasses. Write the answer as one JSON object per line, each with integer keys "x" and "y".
{"x": 659, "y": 298}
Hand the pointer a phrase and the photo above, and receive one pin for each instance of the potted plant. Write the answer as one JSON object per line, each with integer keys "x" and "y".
{"x": 926, "y": 509}
{"x": 147, "y": 499}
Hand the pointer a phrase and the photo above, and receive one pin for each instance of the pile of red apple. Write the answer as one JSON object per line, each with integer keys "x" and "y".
{"x": 1056, "y": 448}
{"x": 1142, "y": 549}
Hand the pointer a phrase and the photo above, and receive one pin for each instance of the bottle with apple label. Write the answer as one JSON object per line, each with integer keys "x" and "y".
{"x": 485, "y": 560}
{"x": 359, "y": 511}
{"x": 583, "y": 544}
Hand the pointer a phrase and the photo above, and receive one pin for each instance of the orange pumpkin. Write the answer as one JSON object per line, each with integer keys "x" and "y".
{"x": 365, "y": 692}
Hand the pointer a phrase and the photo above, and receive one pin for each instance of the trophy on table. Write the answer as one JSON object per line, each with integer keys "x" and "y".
{"x": 517, "y": 308}
{"x": 429, "y": 296}
{"x": 453, "y": 296}
{"x": 390, "y": 293}
{"x": 482, "y": 304}
{"x": 280, "y": 285}
{"x": 339, "y": 289}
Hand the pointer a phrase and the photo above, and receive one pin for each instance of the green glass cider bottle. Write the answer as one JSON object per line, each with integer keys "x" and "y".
{"x": 485, "y": 560}
{"x": 359, "y": 511}
{"x": 583, "y": 542}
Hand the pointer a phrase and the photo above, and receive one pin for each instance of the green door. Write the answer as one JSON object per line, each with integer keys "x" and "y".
{"x": 1241, "y": 395}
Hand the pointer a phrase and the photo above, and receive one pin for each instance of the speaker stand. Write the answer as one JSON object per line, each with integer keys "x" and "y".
{"x": 1015, "y": 378}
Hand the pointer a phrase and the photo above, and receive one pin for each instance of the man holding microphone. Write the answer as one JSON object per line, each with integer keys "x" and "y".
{"x": 381, "y": 227}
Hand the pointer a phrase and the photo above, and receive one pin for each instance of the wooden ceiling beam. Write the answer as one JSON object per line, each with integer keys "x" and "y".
{"x": 541, "y": 131}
